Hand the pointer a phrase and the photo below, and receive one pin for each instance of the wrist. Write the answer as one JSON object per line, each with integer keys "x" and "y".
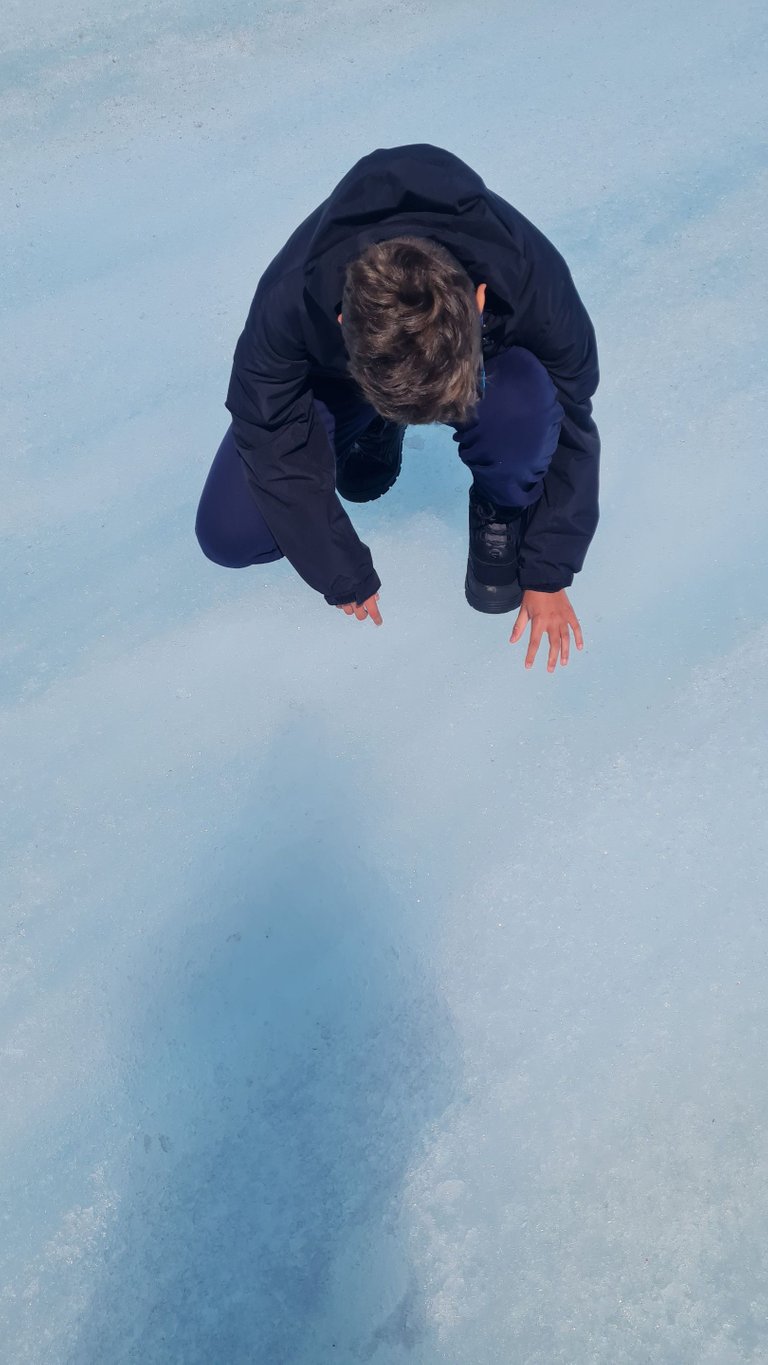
{"x": 358, "y": 594}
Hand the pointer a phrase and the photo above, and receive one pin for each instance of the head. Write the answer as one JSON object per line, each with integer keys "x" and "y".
{"x": 412, "y": 328}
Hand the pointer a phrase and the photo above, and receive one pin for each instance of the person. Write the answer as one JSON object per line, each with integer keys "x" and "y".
{"x": 414, "y": 294}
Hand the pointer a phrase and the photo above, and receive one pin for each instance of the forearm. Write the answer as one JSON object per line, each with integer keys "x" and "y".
{"x": 289, "y": 461}
{"x": 562, "y": 524}
{"x": 296, "y": 496}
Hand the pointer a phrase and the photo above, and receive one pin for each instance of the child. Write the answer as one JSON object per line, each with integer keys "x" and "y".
{"x": 414, "y": 294}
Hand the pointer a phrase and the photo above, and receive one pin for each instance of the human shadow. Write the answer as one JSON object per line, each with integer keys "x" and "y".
{"x": 280, "y": 1080}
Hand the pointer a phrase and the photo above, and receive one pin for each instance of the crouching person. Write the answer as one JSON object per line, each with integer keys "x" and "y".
{"x": 414, "y": 295}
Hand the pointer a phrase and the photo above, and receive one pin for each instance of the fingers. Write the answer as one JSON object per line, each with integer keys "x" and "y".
{"x": 559, "y": 647}
{"x": 519, "y": 626}
{"x": 373, "y": 609}
{"x": 559, "y": 637}
{"x": 537, "y": 631}
{"x": 554, "y": 649}
{"x": 366, "y": 609}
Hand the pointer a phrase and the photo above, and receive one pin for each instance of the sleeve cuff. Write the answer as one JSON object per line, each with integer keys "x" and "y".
{"x": 361, "y": 593}
{"x": 547, "y": 587}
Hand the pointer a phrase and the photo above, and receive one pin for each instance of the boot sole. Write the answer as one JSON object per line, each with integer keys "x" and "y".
{"x": 366, "y": 497}
{"x": 490, "y": 598}
{"x": 362, "y": 495}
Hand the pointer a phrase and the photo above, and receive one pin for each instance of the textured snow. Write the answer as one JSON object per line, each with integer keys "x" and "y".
{"x": 364, "y": 998}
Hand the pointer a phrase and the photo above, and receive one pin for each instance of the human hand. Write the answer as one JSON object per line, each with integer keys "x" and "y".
{"x": 550, "y": 613}
{"x": 369, "y": 608}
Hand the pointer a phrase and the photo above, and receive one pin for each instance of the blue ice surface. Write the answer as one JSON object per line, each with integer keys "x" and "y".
{"x": 365, "y": 998}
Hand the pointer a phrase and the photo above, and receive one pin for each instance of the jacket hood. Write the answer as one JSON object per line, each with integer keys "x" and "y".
{"x": 421, "y": 191}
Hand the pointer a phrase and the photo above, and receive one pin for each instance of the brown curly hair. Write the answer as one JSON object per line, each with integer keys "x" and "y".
{"x": 413, "y": 331}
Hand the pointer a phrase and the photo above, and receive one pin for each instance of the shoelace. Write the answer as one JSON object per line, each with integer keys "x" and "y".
{"x": 496, "y": 538}
{"x": 496, "y": 534}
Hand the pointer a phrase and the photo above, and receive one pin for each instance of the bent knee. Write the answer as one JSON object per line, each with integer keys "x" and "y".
{"x": 528, "y": 412}
{"x": 216, "y": 548}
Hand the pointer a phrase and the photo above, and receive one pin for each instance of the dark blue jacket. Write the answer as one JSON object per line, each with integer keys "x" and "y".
{"x": 292, "y": 332}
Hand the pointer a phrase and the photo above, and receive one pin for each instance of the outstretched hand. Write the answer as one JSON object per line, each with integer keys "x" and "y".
{"x": 369, "y": 608}
{"x": 551, "y": 614}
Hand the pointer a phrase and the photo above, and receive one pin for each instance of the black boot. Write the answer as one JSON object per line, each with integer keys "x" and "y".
{"x": 372, "y": 463}
{"x": 494, "y": 543}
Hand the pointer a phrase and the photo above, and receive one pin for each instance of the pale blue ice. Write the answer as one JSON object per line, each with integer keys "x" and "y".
{"x": 365, "y": 998}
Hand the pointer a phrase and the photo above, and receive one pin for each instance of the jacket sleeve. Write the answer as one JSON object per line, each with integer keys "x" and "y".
{"x": 289, "y": 461}
{"x": 556, "y": 327}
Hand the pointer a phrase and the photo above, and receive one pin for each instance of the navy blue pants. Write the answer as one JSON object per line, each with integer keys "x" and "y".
{"x": 508, "y": 447}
